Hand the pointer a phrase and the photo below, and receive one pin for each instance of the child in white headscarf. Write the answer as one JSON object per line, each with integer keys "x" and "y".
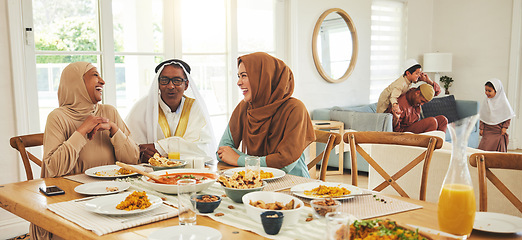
{"x": 495, "y": 117}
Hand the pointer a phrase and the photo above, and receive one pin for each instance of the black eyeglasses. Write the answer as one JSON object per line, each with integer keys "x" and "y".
{"x": 177, "y": 81}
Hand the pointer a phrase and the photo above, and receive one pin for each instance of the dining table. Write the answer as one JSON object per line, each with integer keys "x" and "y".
{"x": 26, "y": 201}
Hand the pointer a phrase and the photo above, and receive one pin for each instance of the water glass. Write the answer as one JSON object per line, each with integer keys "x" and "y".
{"x": 187, "y": 201}
{"x": 337, "y": 225}
{"x": 252, "y": 163}
{"x": 199, "y": 162}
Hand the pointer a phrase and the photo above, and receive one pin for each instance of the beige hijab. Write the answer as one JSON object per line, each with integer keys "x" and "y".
{"x": 263, "y": 123}
{"x": 72, "y": 93}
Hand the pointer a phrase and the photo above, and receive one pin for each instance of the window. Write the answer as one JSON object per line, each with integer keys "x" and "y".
{"x": 126, "y": 39}
{"x": 387, "y": 45}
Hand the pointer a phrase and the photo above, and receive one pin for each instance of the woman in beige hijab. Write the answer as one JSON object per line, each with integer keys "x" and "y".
{"x": 82, "y": 133}
{"x": 269, "y": 122}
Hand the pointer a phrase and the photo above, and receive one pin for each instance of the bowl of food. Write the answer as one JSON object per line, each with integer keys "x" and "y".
{"x": 204, "y": 179}
{"x": 259, "y": 202}
{"x": 158, "y": 163}
{"x": 238, "y": 185}
{"x": 206, "y": 203}
{"x": 236, "y": 194}
{"x": 323, "y": 206}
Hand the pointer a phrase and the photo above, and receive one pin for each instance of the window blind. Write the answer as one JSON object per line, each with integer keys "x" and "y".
{"x": 388, "y": 43}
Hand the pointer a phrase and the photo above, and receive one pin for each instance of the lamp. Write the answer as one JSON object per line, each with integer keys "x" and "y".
{"x": 437, "y": 63}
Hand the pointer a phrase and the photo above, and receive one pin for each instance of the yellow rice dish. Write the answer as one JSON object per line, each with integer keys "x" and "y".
{"x": 136, "y": 200}
{"x": 264, "y": 175}
{"x": 325, "y": 191}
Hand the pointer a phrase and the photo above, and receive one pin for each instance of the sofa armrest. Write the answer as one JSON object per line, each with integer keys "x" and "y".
{"x": 321, "y": 114}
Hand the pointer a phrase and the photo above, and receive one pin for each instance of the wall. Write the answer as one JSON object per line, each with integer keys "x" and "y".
{"x": 8, "y": 120}
{"x": 310, "y": 87}
{"x": 478, "y": 33}
{"x": 10, "y": 225}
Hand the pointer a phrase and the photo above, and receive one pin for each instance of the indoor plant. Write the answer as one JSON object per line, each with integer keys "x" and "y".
{"x": 446, "y": 83}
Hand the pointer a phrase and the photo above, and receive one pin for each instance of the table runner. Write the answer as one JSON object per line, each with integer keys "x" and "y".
{"x": 285, "y": 182}
{"x": 75, "y": 212}
{"x": 363, "y": 207}
{"x": 371, "y": 206}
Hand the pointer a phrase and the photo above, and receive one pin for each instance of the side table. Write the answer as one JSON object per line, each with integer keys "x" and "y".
{"x": 330, "y": 125}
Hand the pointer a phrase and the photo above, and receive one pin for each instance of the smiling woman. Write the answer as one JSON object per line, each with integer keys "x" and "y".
{"x": 82, "y": 133}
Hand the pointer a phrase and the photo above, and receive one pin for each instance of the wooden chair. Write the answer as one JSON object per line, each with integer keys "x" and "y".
{"x": 486, "y": 161}
{"x": 395, "y": 138}
{"x": 331, "y": 139}
{"x": 20, "y": 143}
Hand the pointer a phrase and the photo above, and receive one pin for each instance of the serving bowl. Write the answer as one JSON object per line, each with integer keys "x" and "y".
{"x": 321, "y": 208}
{"x": 291, "y": 216}
{"x": 172, "y": 188}
{"x": 207, "y": 207}
{"x": 237, "y": 194}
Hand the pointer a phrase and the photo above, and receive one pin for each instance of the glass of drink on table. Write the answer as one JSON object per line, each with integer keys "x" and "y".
{"x": 252, "y": 164}
{"x": 187, "y": 201}
{"x": 174, "y": 149}
{"x": 337, "y": 225}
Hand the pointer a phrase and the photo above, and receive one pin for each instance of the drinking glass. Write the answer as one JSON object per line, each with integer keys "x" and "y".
{"x": 174, "y": 149}
{"x": 337, "y": 225}
{"x": 252, "y": 163}
{"x": 186, "y": 207}
{"x": 198, "y": 162}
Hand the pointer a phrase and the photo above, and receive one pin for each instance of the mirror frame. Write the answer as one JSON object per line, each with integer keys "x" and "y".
{"x": 355, "y": 45}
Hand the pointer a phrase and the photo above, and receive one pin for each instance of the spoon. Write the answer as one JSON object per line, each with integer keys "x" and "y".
{"x": 156, "y": 178}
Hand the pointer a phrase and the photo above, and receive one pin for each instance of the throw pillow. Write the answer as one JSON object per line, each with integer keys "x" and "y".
{"x": 441, "y": 106}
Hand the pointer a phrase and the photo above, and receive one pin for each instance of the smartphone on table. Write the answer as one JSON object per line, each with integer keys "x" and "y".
{"x": 51, "y": 190}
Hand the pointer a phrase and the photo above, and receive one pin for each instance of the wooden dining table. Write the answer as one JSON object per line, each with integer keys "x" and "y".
{"x": 26, "y": 201}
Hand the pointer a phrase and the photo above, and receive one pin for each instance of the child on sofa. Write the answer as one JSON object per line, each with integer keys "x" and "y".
{"x": 495, "y": 117}
{"x": 412, "y": 73}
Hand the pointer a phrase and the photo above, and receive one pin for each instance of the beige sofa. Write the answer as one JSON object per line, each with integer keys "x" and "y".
{"x": 394, "y": 158}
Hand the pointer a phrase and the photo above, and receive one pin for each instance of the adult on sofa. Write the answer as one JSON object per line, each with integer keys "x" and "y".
{"x": 412, "y": 74}
{"x": 408, "y": 118}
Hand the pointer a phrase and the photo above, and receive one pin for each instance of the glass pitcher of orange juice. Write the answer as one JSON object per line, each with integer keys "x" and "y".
{"x": 456, "y": 206}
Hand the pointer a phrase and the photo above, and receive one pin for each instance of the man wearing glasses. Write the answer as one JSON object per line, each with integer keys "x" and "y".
{"x": 173, "y": 116}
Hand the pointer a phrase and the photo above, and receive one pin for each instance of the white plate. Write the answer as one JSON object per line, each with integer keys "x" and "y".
{"x": 298, "y": 189}
{"x": 100, "y": 188}
{"x": 107, "y": 204}
{"x": 194, "y": 232}
{"x": 278, "y": 173}
{"x": 109, "y": 171}
{"x": 497, "y": 222}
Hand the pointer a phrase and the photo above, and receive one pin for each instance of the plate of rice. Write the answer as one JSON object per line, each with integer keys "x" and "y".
{"x": 319, "y": 190}
{"x": 123, "y": 203}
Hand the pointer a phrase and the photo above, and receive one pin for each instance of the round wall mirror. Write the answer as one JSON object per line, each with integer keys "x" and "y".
{"x": 334, "y": 45}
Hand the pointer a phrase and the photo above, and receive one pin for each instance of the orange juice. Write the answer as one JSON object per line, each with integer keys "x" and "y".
{"x": 456, "y": 209}
{"x": 174, "y": 155}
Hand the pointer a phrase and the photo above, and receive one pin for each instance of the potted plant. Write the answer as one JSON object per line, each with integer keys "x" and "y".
{"x": 446, "y": 83}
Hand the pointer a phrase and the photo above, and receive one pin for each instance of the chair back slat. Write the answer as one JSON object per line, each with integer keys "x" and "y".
{"x": 497, "y": 160}
{"x": 331, "y": 140}
{"x": 20, "y": 143}
{"x": 393, "y": 138}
